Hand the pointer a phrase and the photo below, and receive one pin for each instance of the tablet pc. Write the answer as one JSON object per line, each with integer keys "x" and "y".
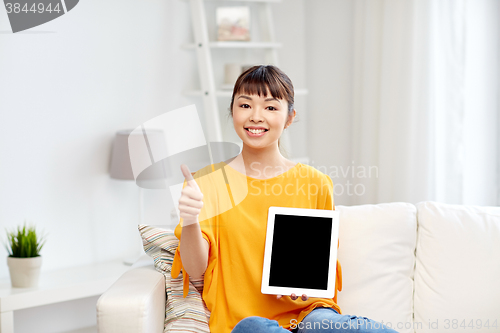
{"x": 301, "y": 252}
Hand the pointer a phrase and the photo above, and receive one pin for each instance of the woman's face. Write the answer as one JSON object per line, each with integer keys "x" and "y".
{"x": 266, "y": 117}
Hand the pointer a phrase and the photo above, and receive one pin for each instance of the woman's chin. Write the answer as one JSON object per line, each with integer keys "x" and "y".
{"x": 255, "y": 142}
{"x": 254, "y": 145}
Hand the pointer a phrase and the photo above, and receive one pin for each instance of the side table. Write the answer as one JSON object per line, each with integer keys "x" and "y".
{"x": 57, "y": 286}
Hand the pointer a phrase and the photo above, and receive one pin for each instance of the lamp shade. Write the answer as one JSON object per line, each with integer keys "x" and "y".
{"x": 120, "y": 167}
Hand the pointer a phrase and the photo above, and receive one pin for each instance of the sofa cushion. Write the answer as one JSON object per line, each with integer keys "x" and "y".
{"x": 377, "y": 247}
{"x": 182, "y": 314}
{"x": 457, "y": 271}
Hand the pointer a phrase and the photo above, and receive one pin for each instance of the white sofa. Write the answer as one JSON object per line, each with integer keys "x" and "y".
{"x": 426, "y": 268}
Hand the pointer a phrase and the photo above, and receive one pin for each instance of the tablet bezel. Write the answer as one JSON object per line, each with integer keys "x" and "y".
{"x": 332, "y": 269}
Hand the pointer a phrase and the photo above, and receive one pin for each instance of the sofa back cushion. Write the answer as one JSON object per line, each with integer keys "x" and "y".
{"x": 377, "y": 255}
{"x": 457, "y": 273}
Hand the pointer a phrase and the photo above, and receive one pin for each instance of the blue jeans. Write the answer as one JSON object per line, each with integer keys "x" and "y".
{"x": 318, "y": 320}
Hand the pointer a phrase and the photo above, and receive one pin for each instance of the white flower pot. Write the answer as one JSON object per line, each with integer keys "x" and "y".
{"x": 24, "y": 272}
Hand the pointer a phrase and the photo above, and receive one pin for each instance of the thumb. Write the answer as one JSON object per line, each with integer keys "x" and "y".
{"x": 189, "y": 178}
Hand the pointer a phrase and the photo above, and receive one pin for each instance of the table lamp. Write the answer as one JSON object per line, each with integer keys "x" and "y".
{"x": 121, "y": 168}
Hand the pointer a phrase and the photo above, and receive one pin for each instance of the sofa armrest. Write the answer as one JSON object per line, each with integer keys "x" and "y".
{"x": 135, "y": 303}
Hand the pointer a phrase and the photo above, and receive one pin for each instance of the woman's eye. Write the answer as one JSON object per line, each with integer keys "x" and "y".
{"x": 272, "y": 108}
{"x": 244, "y": 106}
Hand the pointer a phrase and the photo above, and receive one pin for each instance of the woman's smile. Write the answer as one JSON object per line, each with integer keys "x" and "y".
{"x": 256, "y": 131}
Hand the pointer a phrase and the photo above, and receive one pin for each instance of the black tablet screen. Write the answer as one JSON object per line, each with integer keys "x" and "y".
{"x": 300, "y": 255}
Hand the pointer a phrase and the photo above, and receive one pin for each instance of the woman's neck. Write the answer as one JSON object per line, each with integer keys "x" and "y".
{"x": 261, "y": 163}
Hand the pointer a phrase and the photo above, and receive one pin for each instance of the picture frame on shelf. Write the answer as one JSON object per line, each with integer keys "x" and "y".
{"x": 233, "y": 23}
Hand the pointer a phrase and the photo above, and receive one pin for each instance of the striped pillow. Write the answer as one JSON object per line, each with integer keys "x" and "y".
{"x": 188, "y": 314}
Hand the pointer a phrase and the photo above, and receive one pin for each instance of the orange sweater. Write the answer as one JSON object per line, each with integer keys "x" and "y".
{"x": 234, "y": 221}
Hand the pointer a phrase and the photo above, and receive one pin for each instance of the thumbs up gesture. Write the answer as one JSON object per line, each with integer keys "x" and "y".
{"x": 190, "y": 202}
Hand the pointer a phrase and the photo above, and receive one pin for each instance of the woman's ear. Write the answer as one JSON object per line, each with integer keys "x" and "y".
{"x": 290, "y": 118}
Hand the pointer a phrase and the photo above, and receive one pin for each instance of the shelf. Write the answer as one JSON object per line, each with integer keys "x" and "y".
{"x": 62, "y": 285}
{"x": 229, "y": 93}
{"x": 236, "y": 45}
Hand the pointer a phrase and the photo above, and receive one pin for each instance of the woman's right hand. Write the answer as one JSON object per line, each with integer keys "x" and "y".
{"x": 191, "y": 200}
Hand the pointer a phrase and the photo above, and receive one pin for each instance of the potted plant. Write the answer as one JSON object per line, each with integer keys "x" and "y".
{"x": 24, "y": 260}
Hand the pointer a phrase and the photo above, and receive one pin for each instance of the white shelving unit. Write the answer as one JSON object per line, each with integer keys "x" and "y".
{"x": 203, "y": 46}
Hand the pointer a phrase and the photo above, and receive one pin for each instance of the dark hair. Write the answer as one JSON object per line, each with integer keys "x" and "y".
{"x": 257, "y": 80}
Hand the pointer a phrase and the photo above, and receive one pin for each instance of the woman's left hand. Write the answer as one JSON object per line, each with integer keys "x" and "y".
{"x": 294, "y": 297}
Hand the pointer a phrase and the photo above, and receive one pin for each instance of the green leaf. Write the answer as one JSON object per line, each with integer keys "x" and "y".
{"x": 24, "y": 242}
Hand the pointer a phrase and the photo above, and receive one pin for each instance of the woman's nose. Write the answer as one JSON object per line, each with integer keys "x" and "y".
{"x": 256, "y": 115}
